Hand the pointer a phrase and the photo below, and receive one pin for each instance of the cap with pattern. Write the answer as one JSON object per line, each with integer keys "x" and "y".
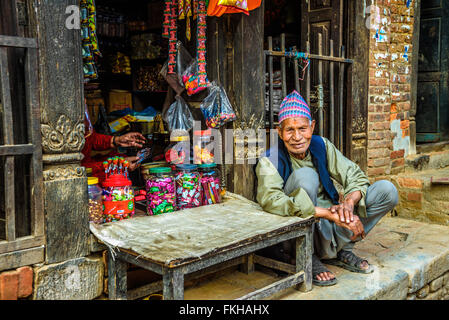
{"x": 294, "y": 106}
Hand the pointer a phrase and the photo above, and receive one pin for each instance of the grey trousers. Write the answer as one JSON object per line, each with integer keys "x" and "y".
{"x": 328, "y": 238}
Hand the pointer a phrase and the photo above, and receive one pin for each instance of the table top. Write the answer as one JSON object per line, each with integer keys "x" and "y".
{"x": 196, "y": 233}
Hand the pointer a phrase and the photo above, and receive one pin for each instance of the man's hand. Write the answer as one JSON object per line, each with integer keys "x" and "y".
{"x": 355, "y": 226}
{"x": 131, "y": 139}
{"x": 345, "y": 211}
{"x": 133, "y": 165}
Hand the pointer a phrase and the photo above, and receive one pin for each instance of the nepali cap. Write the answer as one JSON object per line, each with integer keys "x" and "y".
{"x": 294, "y": 106}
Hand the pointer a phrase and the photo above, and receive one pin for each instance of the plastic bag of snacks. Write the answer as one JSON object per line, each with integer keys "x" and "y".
{"x": 183, "y": 61}
{"x": 216, "y": 108}
{"x": 190, "y": 78}
{"x": 178, "y": 115}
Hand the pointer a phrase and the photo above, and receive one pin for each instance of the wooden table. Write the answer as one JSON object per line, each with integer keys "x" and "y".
{"x": 194, "y": 242}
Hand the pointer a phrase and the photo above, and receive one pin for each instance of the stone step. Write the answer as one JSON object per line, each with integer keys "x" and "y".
{"x": 410, "y": 259}
{"x": 424, "y": 195}
{"x": 427, "y": 161}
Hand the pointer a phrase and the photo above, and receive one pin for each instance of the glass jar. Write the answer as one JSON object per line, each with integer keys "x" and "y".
{"x": 118, "y": 198}
{"x": 203, "y": 146}
{"x": 177, "y": 151}
{"x": 95, "y": 200}
{"x": 210, "y": 181}
{"x": 188, "y": 190}
{"x": 161, "y": 196}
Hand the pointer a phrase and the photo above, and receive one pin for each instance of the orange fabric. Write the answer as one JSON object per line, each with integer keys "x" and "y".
{"x": 215, "y": 10}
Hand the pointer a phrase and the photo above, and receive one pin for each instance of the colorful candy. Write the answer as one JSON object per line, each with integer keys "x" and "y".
{"x": 118, "y": 203}
{"x": 160, "y": 189}
{"x": 210, "y": 184}
{"x": 188, "y": 189}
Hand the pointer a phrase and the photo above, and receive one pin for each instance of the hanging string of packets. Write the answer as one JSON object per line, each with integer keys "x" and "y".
{"x": 89, "y": 38}
{"x": 303, "y": 56}
{"x": 116, "y": 165}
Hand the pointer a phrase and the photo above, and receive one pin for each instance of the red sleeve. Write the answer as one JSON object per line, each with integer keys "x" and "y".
{"x": 100, "y": 142}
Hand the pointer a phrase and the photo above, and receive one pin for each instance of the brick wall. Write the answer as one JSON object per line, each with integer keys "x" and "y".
{"x": 15, "y": 284}
{"x": 391, "y": 29}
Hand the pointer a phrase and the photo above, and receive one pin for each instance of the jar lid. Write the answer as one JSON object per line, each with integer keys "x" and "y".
{"x": 207, "y": 165}
{"x": 88, "y": 170}
{"x": 180, "y": 138}
{"x": 116, "y": 180}
{"x": 207, "y": 132}
{"x": 92, "y": 180}
{"x": 186, "y": 166}
{"x": 153, "y": 164}
{"x": 160, "y": 170}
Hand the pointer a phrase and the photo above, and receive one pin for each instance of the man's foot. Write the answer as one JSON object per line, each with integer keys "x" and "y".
{"x": 349, "y": 261}
{"x": 321, "y": 275}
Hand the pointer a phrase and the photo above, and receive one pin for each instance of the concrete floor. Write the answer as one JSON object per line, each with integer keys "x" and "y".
{"x": 406, "y": 255}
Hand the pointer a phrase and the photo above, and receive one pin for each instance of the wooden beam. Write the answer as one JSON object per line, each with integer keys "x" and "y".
{"x": 21, "y": 243}
{"x": 16, "y": 150}
{"x": 18, "y": 42}
{"x": 21, "y": 258}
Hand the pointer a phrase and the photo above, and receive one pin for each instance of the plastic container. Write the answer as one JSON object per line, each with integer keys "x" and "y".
{"x": 188, "y": 190}
{"x": 210, "y": 181}
{"x": 177, "y": 151}
{"x": 161, "y": 196}
{"x": 95, "y": 200}
{"x": 145, "y": 168}
{"x": 89, "y": 172}
{"x": 118, "y": 198}
{"x": 203, "y": 146}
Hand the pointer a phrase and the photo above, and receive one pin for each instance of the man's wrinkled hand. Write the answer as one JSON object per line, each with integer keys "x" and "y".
{"x": 345, "y": 211}
{"x": 133, "y": 163}
{"x": 355, "y": 226}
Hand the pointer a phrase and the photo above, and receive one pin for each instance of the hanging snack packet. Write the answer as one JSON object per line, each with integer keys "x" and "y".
{"x": 216, "y": 108}
{"x": 178, "y": 115}
{"x": 183, "y": 61}
{"x": 191, "y": 80}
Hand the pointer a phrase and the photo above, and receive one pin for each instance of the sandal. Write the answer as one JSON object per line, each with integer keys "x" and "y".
{"x": 349, "y": 261}
{"x": 317, "y": 268}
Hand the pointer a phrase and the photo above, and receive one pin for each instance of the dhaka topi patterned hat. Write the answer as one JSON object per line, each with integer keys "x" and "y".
{"x": 294, "y": 106}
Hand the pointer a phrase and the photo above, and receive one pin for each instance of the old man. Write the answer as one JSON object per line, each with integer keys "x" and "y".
{"x": 294, "y": 178}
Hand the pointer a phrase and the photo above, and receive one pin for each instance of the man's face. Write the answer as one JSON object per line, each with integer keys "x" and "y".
{"x": 296, "y": 134}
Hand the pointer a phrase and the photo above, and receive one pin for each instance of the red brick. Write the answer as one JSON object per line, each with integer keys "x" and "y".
{"x": 25, "y": 282}
{"x": 410, "y": 183}
{"x": 9, "y": 283}
{"x": 397, "y": 163}
{"x": 414, "y": 196}
{"x": 397, "y": 154}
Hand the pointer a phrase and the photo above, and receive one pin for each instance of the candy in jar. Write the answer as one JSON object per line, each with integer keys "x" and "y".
{"x": 210, "y": 184}
{"x": 203, "y": 145}
{"x": 95, "y": 200}
{"x": 118, "y": 198}
{"x": 160, "y": 186}
{"x": 188, "y": 191}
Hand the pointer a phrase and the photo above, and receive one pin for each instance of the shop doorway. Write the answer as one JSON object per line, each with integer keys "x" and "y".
{"x": 315, "y": 28}
{"x": 432, "y": 115}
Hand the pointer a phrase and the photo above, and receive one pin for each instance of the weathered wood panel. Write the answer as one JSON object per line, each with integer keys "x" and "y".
{"x": 21, "y": 258}
{"x": 62, "y": 129}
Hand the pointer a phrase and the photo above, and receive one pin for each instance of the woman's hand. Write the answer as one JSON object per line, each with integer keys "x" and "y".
{"x": 133, "y": 164}
{"x": 131, "y": 139}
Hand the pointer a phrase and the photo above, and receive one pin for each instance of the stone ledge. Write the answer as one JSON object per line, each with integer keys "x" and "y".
{"x": 407, "y": 255}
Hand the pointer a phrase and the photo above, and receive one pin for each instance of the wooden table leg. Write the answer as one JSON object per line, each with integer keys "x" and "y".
{"x": 117, "y": 278}
{"x": 248, "y": 266}
{"x": 304, "y": 259}
{"x": 173, "y": 280}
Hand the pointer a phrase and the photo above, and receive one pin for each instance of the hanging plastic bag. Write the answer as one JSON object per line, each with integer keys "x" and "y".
{"x": 183, "y": 61}
{"x": 190, "y": 78}
{"x": 216, "y": 108}
{"x": 178, "y": 115}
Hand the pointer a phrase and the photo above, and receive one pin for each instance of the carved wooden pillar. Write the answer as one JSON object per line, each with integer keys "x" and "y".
{"x": 358, "y": 45}
{"x": 62, "y": 128}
